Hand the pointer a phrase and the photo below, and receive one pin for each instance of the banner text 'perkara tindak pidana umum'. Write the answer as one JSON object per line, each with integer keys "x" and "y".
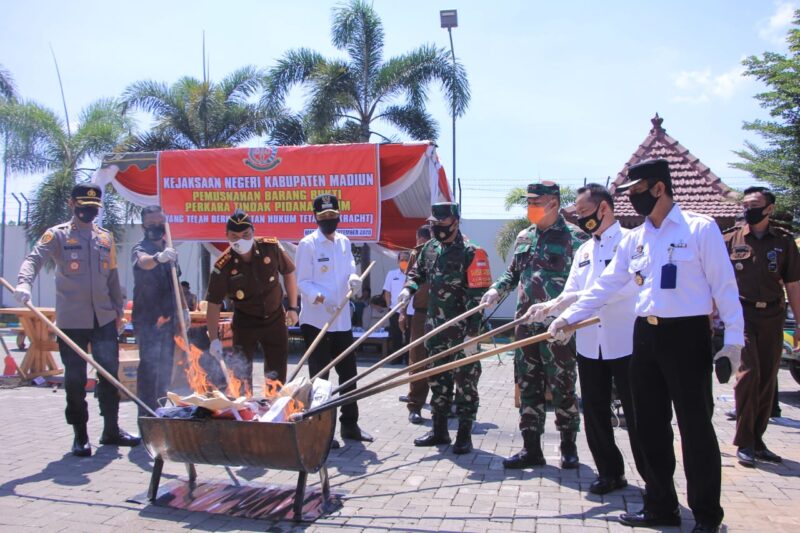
{"x": 199, "y": 189}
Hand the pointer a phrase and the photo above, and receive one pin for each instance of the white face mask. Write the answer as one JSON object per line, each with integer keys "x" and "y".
{"x": 242, "y": 246}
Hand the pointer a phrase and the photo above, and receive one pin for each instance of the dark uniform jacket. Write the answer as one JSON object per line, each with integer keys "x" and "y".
{"x": 153, "y": 293}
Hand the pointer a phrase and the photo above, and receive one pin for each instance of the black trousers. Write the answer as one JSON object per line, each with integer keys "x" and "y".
{"x": 396, "y": 336}
{"x": 105, "y": 350}
{"x": 156, "y": 351}
{"x": 671, "y": 368}
{"x": 274, "y": 340}
{"x": 597, "y": 376}
{"x": 332, "y": 344}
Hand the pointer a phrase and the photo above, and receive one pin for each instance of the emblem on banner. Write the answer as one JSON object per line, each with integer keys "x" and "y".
{"x": 263, "y": 158}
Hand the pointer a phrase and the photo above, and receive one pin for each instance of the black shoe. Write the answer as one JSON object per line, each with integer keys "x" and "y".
{"x": 569, "y": 450}
{"x": 768, "y": 456}
{"x": 604, "y": 485}
{"x": 531, "y": 454}
{"x": 353, "y": 432}
{"x": 335, "y": 444}
{"x": 415, "y": 417}
{"x": 647, "y": 519}
{"x": 702, "y": 528}
{"x": 746, "y": 457}
{"x": 437, "y": 435}
{"x": 119, "y": 438}
{"x": 80, "y": 445}
{"x": 463, "y": 438}
{"x": 403, "y": 398}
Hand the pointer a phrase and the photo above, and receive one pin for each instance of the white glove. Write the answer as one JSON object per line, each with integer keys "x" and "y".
{"x": 215, "y": 349}
{"x": 355, "y": 283}
{"x": 22, "y": 294}
{"x": 491, "y": 297}
{"x": 734, "y": 354}
{"x": 404, "y": 297}
{"x": 472, "y": 349}
{"x": 557, "y": 332}
{"x": 167, "y": 255}
{"x": 536, "y": 312}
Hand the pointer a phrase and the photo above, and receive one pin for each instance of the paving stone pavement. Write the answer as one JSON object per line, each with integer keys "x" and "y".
{"x": 388, "y": 485}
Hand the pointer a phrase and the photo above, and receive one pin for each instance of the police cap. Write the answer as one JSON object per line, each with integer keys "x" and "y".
{"x": 87, "y": 195}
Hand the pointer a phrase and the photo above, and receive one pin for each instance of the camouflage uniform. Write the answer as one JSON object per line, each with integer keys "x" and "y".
{"x": 540, "y": 269}
{"x": 456, "y": 285}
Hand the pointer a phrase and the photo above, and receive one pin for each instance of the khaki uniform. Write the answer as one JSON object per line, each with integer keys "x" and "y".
{"x": 88, "y": 301}
{"x": 258, "y": 315}
{"x": 417, "y": 390}
{"x": 762, "y": 267}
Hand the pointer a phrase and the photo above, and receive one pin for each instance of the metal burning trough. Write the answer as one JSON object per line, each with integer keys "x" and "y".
{"x": 301, "y": 446}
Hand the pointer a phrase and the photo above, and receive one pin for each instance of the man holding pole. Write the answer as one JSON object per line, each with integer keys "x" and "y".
{"x": 458, "y": 272}
{"x": 89, "y": 304}
{"x": 326, "y": 271}
{"x": 248, "y": 273}
{"x": 543, "y": 255}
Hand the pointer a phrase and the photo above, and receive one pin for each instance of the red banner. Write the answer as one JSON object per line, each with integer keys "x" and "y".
{"x": 199, "y": 189}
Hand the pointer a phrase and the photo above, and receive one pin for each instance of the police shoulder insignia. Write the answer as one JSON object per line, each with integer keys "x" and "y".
{"x": 47, "y": 237}
{"x": 223, "y": 259}
{"x": 479, "y": 276}
{"x": 271, "y": 240}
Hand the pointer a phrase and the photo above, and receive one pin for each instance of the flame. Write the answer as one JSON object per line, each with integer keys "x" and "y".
{"x": 272, "y": 387}
{"x": 195, "y": 375}
{"x": 293, "y": 406}
{"x": 236, "y": 387}
{"x": 162, "y": 320}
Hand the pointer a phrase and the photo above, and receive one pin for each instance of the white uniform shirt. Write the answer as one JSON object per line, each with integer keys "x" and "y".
{"x": 614, "y": 334}
{"x": 705, "y": 275}
{"x": 324, "y": 267}
{"x": 393, "y": 284}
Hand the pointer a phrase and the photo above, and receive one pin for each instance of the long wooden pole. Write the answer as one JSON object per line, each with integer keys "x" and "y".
{"x": 85, "y": 356}
{"x": 435, "y": 357}
{"x": 438, "y": 370}
{"x": 364, "y": 336}
{"x": 327, "y": 325}
{"x": 410, "y": 345}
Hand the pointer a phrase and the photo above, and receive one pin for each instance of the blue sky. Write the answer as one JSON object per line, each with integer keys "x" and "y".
{"x": 561, "y": 90}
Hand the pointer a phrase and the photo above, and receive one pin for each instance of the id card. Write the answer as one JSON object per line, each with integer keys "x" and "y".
{"x": 669, "y": 276}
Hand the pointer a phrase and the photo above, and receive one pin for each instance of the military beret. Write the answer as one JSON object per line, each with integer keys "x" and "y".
{"x": 443, "y": 210}
{"x": 652, "y": 170}
{"x": 238, "y": 221}
{"x": 326, "y": 206}
{"x": 87, "y": 195}
{"x": 543, "y": 188}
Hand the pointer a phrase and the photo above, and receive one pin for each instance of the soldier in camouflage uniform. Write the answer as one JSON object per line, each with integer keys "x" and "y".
{"x": 540, "y": 268}
{"x": 458, "y": 273}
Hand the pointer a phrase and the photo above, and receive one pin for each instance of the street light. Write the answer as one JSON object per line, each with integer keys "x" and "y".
{"x": 449, "y": 20}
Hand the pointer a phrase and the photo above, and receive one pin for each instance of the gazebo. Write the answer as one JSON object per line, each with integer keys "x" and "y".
{"x": 695, "y": 186}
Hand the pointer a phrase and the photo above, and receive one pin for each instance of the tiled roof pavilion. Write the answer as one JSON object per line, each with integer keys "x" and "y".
{"x": 695, "y": 186}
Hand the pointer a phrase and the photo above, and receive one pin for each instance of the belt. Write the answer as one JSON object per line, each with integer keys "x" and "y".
{"x": 759, "y": 305}
{"x": 661, "y": 321}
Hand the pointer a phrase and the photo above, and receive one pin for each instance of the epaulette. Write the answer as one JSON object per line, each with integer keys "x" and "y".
{"x": 731, "y": 229}
{"x": 270, "y": 240}
{"x": 65, "y": 225}
{"x": 223, "y": 260}
{"x": 100, "y": 228}
{"x": 780, "y": 230}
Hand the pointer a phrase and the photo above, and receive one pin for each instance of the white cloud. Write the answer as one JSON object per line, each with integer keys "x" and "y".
{"x": 775, "y": 28}
{"x": 696, "y": 86}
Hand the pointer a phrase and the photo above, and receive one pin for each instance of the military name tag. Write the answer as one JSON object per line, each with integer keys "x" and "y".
{"x": 584, "y": 263}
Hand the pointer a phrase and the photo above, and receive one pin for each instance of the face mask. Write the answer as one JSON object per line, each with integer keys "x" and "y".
{"x": 242, "y": 246}
{"x": 328, "y": 226}
{"x": 591, "y": 223}
{"x": 643, "y": 202}
{"x": 403, "y": 266}
{"x": 86, "y": 214}
{"x": 537, "y": 213}
{"x": 755, "y": 215}
{"x": 154, "y": 233}
{"x": 442, "y": 233}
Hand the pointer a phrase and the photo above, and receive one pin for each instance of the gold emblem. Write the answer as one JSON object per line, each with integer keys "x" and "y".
{"x": 91, "y": 193}
{"x": 324, "y": 269}
{"x": 639, "y": 279}
{"x": 591, "y": 224}
{"x": 74, "y": 265}
{"x": 739, "y": 266}
{"x": 586, "y": 255}
{"x": 72, "y": 241}
{"x": 47, "y": 237}
{"x": 271, "y": 279}
{"x": 239, "y": 294}
{"x": 267, "y": 260}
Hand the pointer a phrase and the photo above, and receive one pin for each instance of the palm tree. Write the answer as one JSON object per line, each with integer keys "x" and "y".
{"x": 346, "y": 96}
{"x": 40, "y": 142}
{"x": 8, "y": 90}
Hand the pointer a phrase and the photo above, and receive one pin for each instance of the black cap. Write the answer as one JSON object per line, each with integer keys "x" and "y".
{"x": 652, "y": 170}
{"x": 87, "y": 195}
{"x": 544, "y": 188}
{"x": 238, "y": 221}
{"x": 326, "y": 206}
{"x": 443, "y": 210}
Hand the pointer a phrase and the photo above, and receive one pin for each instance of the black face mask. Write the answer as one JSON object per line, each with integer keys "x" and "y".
{"x": 154, "y": 233}
{"x": 754, "y": 215}
{"x": 86, "y": 214}
{"x": 442, "y": 233}
{"x": 328, "y": 226}
{"x": 591, "y": 223}
{"x": 643, "y": 202}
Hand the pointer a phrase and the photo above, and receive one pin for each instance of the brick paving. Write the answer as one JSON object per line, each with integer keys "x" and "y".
{"x": 388, "y": 484}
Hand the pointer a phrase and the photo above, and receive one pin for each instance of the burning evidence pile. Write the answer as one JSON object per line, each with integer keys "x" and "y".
{"x": 280, "y": 401}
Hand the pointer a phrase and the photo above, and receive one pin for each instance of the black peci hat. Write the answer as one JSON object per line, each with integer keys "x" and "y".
{"x": 652, "y": 170}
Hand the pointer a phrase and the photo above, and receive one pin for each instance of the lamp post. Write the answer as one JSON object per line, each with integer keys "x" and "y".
{"x": 449, "y": 20}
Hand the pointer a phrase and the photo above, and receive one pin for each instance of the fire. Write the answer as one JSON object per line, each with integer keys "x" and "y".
{"x": 272, "y": 387}
{"x": 236, "y": 386}
{"x": 292, "y": 407}
{"x": 195, "y": 375}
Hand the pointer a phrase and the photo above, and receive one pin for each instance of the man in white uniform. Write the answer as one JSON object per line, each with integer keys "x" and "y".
{"x": 392, "y": 285}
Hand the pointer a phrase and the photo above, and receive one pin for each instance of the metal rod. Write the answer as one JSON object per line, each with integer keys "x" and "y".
{"x": 27, "y": 208}
{"x": 453, "y": 111}
{"x": 327, "y": 325}
{"x": 19, "y": 209}
{"x": 435, "y": 357}
{"x": 364, "y": 336}
{"x": 417, "y": 342}
{"x": 85, "y": 356}
{"x": 438, "y": 370}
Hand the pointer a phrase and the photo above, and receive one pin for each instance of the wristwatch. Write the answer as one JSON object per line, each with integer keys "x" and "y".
{"x": 295, "y": 309}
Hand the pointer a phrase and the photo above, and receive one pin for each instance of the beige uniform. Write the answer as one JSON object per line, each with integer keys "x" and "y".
{"x": 87, "y": 282}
